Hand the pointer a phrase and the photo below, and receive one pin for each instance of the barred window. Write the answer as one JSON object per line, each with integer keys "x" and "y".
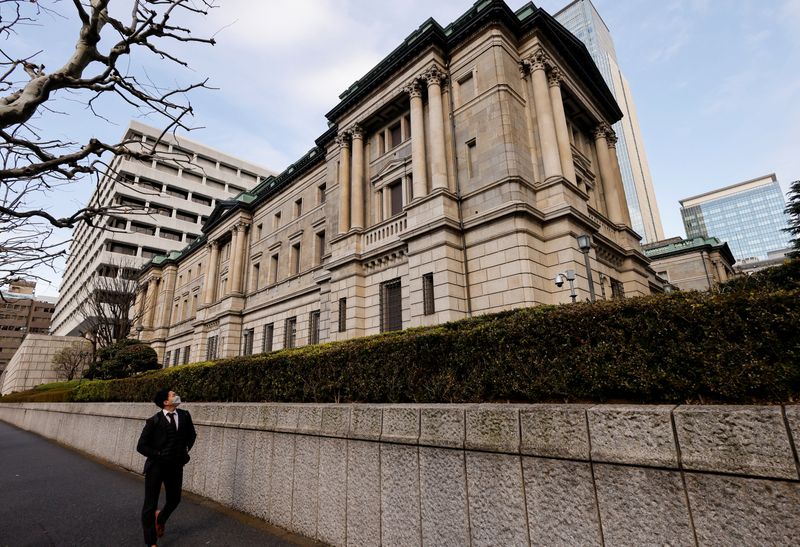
{"x": 166, "y": 359}
{"x": 342, "y": 314}
{"x": 269, "y": 332}
{"x": 211, "y": 350}
{"x": 391, "y": 305}
{"x": 176, "y": 356}
{"x": 247, "y": 348}
{"x": 313, "y": 327}
{"x": 427, "y": 294}
{"x": 290, "y": 333}
{"x": 186, "y": 352}
{"x": 617, "y": 289}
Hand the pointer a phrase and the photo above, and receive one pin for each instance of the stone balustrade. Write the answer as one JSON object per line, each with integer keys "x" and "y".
{"x": 476, "y": 474}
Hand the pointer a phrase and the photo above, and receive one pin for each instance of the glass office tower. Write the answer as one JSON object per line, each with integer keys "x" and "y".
{"x": 582, "y": 20}
{"x": 749, "y": 216}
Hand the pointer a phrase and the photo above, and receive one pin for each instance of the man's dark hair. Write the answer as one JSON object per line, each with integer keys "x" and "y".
{"x": 161, "y": 396}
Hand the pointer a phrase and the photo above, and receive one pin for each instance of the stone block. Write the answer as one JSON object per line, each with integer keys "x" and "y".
{"x": 442, "y": 425}
{"x": 213, "y": 461}
{"x": 741, "y": 511}
{"x": 199, "y": 462}
{"x": 630, "y": 434}
{"x": 747, "y": 440}
{"x": 494, "y": 428}
{"x": 366, "y": 422}
{"x": 243, "y": 476}
{"x": 642, "y": 506}
{"x": 306, "y": 476}
{"x": 258, "y": 492}
{"x": 282, "y": 480}
{"x": 400, "y": 424}
{"x": 496, "y": 499}
{"x": 443, "y": 497}
{"x": 363, "y": 493}
{"x": 234, "y": 413}
{"x": 331, "y": 521}
{"x": 226, "y": 471}
{"x": 400, "y": 511}
{"x": 557, "y": 431}
{"x": 267, "y": 417}
{"x": 250, "y": 416}
{"x": 561, "y": 505}
{"x": 335, "y": 421}
{"x": 286, "y": 418}
{"x": 309, "y": 419}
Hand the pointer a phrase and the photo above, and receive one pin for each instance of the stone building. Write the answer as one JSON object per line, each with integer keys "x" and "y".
{"x": 697, "y": 264}
{"x": 453, "y": 180}
{"x": 21, "y": 313}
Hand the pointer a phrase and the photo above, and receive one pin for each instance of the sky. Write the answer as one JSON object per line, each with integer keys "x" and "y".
{"x": 715, "y": 82}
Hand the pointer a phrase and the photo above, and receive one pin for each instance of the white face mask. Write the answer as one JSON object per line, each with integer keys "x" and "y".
{"x": 176, "y": 400}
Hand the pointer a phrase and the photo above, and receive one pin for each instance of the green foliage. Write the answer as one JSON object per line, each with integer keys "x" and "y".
{"x": 733, "y": 347}
{"x": 123, "y": 359}
{"x": 783, "y": 277}
{"x": 55, "y": 392}
{"x": 793, "y": 210}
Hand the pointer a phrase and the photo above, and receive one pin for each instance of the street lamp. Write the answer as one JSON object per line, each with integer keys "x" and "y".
{"x": 585, "y": 245}
{"x": 139, "y": 329}
{"x": 569, "y": 275}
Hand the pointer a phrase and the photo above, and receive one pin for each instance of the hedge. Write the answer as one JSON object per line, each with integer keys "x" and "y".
{"x": 735, "y": 347}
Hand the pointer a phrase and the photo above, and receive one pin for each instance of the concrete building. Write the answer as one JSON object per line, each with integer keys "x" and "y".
{"x": 21, "y": 312}
{"x": 453, "y": 180}
{"x": 748, "y": 215}
{"x": 582, "y": 19}
{"x": 32, "y": 364}
{"x": 161, "y": 206}
{"x": 696, "y": 264}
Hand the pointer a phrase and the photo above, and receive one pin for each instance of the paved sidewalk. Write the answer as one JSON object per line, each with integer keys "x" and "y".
{"x": 52, "y": 496}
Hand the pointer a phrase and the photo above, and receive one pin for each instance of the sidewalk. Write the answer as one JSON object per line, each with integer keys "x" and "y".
{"x": 52, "y": 496}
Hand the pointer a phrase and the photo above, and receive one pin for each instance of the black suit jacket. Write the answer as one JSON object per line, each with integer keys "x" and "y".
{"x": 153, "y": 439}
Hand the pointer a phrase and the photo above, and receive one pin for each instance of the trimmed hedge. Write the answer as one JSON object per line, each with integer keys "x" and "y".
{"x": 786, "y": 276}
{"x": 737, "y": 347}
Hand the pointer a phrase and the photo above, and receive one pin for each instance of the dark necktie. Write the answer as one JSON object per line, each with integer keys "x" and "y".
{"x": 171, "y": 416}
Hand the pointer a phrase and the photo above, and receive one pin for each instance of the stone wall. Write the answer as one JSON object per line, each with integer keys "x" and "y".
{"x": 477, "y": 474}
{"x": 32, "y": 364}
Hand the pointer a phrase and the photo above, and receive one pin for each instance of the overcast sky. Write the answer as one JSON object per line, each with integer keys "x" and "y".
{"x": 715, "y": 82}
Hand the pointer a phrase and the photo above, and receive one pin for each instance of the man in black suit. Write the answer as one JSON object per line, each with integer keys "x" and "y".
{"x": 166, "y": 440}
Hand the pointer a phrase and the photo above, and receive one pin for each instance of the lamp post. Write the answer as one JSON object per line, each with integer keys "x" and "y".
{"x": 139, "y": 329}
{"x": 585, "y": 245}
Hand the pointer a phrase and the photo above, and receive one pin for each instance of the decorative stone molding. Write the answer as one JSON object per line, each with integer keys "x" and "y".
{"x": 538, "y": 60}
{"x": 434, "y": 75}
{"x": 554, "y": 77}
{"x": 611, "y": 138}
{"x": 414, "y": 89}
{"x": 601, "y": 131}
{"x": 356, "y": 132}
{"x": 343, "y": 139}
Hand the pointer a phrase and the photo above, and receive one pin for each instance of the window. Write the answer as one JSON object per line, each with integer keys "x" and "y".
{"x": 391, "y": 306}
{"x": 276, "y": 221}
{"x": 119, "y": 223}
{"x": 321, "y": 194}
{"x": 320, "y": 246}
{"x": 466, "y": 88}
{"x": 273, "y": 268}
{"x": 396, "y": 198}
{"x": 194, "y": 305}
{"x": 617, "y": 289}
{"x": 298, "y": 208}
{"x": 177, "y": 192}
{"x": 150, "y": 253}
{"x": 259, "y": 231}
{"x": 121, "y": 248}
{"x": 166, "y": 359}
{"x": 427, "y": 294}
{"x": 472, "y": 159}
{"x": 395, "y": 135}
{"x": 202, "y": 200}
{"x": 160, "y": 210}
{"x": 313, "y": 327}
{"x": 342, "y": 314}
{"x": 269, "y": 332}
{"x": 211, "y": 349}
{"x": 247, "y": 342}
{"x": 290, "y": 333}
{"x": 187, "y": 217}
{"x": 186, "y": 352}
{"x": 169, "y": 234}
{"x": 256, "y": 274}
{"x": 176, "y": 355}
{"x": 295, "y": 258}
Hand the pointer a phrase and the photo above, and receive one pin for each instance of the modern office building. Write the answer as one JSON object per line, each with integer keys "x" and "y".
{"x": 749, "y": 216}
{"x": 582, "y": 19}
{"x": 453, "y": 180}
{"x": 160, "y": 206}
{"x": 21, "y": 313}
{"x": 697, "y": 264}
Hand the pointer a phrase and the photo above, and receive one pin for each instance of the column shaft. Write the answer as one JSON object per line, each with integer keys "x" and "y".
{"x": 437, "y": 142}
{"x": 344, "y": 184}
{"x": 167, "y": 295}
{"x": 562, "y": 131}
{"x": 544, "y": 119}
{"x": 235, "y": 277}
{"x": 357, "y": 196}
{"x": 623, "y": 202}
{"x": 418, "y": 159}
{"x": 610, "y": 189}
{"x": 150, "y": 303}
{"x": 211, "y": 274}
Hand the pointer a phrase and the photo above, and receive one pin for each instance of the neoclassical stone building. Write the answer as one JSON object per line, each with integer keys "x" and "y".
{"x": 453, "y": 181}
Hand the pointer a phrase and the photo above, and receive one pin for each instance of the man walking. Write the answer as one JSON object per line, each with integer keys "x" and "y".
{"x": 166, "y": 440}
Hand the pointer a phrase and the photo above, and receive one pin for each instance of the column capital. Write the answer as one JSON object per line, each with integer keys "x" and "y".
{"x": 343, "y": 139}
{"x": 356, "y": 132}
{"x": 601, "y": 131}
{"x": 213, "y": 244}
{"x": 554, "y": 77}
{"x": 524, "y": 67}
{"x": 241, "y": 226}
{"x": 611, "y": 138}
{"x": 434, "y": 75}
{"x": 414, "y": 89}
{"x": 538, "y": 60}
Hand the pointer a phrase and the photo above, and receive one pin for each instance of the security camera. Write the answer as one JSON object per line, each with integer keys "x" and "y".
{"x": 559, "y": 280}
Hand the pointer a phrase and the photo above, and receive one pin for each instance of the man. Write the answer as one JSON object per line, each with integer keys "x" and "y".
{"x": 166, "y": 440}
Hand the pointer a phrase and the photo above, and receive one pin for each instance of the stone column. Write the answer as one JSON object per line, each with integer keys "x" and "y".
{"x": 167, "y": 295}
{"x": 344, "y": 182}
{"x": 544, "y": 116}
{"x": 562, "y": 131}
{"x": 138, "y": 305}
{"x": 435, "y": 77}
{"x": 238, "y": 250}
{"x": 387, "y": 202}
{"x": 722, "y": 275}
{"x": 611, "y": 137}
{"x": 606, "y": 174}
{"x": 418, "y": 159}
{"x": 150, "y": 303}
{"x": 357, "y": 187}
{"x": 211, "y": 274}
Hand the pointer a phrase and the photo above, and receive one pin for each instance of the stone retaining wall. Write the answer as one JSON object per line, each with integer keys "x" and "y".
{"x": 476, "y": 474}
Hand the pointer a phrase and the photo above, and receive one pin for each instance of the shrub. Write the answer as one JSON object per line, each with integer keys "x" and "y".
{"x": 783, "y": 277}
{"x": 123, "y": 359}
{"x": 735, "y": 347}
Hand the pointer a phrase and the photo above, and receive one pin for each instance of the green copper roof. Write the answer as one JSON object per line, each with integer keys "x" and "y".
{"x": 682, "y": 246}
